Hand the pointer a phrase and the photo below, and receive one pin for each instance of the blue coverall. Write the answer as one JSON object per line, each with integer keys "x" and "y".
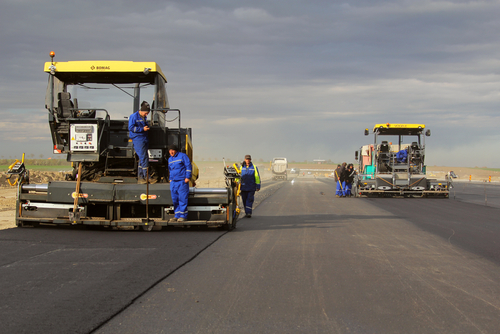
{"x": 401, "y": 156}
{"x": 179, "y": 167}
{"x": 139, "y": 138}
{"x": 347, "y": 188}
{"x": 339, "y": 191}
{"x": 250, "y": 182}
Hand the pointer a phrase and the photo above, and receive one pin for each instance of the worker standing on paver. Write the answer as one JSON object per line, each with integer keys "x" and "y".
{"x": 179, "y": 168}
{"x": 250, "y": 183}
{"x": 138, "y": 131}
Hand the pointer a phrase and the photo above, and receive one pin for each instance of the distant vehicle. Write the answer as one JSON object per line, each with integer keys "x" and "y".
{"x": 309, "y": 173}
{"x": 294, "y": 171}
{"x": 278, "y": 168}
{"x": 394, "y": 164}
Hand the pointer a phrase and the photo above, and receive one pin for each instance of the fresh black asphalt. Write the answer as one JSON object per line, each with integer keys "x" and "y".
{"x": 305, "y": 262}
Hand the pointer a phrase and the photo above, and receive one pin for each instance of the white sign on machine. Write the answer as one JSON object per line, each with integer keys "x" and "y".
{"x": 83, "y": 137}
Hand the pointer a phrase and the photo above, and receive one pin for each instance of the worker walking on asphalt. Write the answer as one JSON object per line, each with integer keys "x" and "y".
{"x": 250, "y": 183}
{"x": 339, "y": 180}
{"x": 138, "y": 131}
{"x": 179, "y": 168}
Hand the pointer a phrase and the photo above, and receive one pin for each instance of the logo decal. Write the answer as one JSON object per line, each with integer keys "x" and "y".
{"x": 100, "y": 68}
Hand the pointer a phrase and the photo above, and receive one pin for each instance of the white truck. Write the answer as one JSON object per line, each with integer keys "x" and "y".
{"x": 278, "y": 168}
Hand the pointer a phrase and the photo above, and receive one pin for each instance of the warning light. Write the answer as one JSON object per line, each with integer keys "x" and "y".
{"x": 144, "y": 197}
{"x": 52, "y": 67}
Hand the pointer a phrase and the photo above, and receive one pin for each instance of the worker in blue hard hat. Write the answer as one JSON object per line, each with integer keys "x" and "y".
{"x": 138, "y": 128}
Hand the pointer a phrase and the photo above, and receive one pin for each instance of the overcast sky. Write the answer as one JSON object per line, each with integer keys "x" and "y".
{"x": 299, "y": 79}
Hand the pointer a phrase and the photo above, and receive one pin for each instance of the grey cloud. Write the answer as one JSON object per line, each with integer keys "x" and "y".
{"x": 314, "y": 73}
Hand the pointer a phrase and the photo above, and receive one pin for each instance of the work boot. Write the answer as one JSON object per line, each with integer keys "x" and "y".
{"x": 141, "y": 181}
{"x": 248, "y": 215}
{"x": 172, "y": 220}
{"x": 181, "y": 219}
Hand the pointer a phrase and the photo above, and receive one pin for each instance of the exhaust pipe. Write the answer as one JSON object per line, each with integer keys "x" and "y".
{"x": 193, "y": 190}
{"x": 35, "y": 187}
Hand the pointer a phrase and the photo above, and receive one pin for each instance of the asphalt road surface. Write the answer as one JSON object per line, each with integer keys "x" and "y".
{"x": 306, "y": 262}
{"x": 482, "y": 193}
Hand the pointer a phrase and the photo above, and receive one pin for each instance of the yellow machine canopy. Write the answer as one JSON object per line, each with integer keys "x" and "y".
{"x": 399, "y": 129}
{"x": 101, "y": 71}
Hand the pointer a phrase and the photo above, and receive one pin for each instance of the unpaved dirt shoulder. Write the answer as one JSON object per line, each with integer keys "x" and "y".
{"x": 8, "y": 194}
{"x": 464, "y": 173}
{"x": 7, "y": 207}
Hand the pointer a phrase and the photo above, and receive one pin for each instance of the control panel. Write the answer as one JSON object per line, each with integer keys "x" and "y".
{"x": 83, "y": 138}
{"x": 155, "y": 154}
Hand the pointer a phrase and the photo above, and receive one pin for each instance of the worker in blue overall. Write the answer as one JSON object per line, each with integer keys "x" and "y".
{"x": 339, "y": 180}
{"x": 138, "y": 131}
{"x": 179, "y": 167}
{"x": 250, "y": 183}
